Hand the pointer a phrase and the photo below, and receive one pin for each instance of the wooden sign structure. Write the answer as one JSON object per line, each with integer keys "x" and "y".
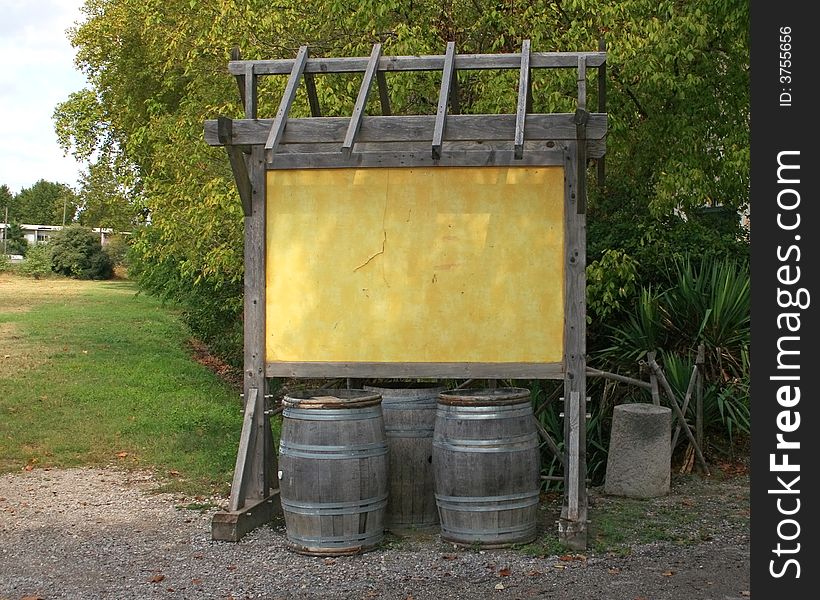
{"x": 437, "y": 246}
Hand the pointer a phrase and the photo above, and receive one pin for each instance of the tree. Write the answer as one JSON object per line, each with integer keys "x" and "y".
{"x": 76, "y": 252}
{"x": 46, "y": 203}
{"x": 104, "y": 200}
{"x": 15, "y": 242}
{"x": 7, "y": 202}
{"x": 678, "y": 101}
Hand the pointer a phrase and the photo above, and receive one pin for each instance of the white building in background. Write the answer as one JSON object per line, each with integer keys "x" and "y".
{"x": 40, "y": 234}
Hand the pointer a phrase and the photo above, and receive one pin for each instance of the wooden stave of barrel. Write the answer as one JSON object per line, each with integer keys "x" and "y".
{"x": 409, "y": 410}
{"x": 486, "y": 467}
{"x": 333, "y": 469}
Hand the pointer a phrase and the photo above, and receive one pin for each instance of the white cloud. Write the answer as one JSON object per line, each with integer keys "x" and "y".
{"x": 36, "y": 73}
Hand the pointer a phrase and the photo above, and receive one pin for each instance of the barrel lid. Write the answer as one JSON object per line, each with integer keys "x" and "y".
{"x": 331, "y": 399}
{"x": 485, "y": 397}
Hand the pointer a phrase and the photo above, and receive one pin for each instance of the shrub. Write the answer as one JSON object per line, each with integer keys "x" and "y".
{"x": 5, "y": 263}
{"x": 38, "y": 261}
{"x": 117, "y": 250}
{"x": 76, "y": 252}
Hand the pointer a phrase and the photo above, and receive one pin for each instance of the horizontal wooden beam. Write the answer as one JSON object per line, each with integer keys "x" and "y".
{"x": 230, "y": 526}
{"x": 538, "y": 60}
{"x": 554, "y": 126}
{"x": 406, "y": 158}
{"x": 438, "y": 370}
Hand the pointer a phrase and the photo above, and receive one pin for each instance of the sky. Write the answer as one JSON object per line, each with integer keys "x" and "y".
{"x": 36, "y": 73}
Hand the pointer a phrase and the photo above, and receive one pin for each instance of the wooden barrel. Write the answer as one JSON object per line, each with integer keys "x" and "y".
{"x": 333, "y": 471}
{"x": 487, "y": 467}
{"x": 409, "y": 417}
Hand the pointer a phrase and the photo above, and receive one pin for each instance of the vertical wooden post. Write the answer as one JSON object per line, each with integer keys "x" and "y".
{"x": 572, "y": 526}
{"x": 653, "y": 380}
{"x": 701, "y": 358}
{"x": 253, "y": 501}
{"x": 601, "y": 165}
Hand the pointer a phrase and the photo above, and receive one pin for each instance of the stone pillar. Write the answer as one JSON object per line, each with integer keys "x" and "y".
{"x": 640, "y": 451}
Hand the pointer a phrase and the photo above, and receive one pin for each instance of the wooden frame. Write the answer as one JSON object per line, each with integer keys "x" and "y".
{"x": 256, "y": 146}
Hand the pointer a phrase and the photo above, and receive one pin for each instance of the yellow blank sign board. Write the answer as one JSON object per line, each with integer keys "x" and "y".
{"x": 415, "y": 265}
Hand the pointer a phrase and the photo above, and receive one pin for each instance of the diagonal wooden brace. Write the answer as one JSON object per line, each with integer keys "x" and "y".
{"x": 237, "y": 159}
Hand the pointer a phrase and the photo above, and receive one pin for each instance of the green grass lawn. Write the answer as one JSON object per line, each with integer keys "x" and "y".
{"x": 93, "y": 373}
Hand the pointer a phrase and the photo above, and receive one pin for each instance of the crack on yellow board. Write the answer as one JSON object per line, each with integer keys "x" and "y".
{"x": 367, "y": 262}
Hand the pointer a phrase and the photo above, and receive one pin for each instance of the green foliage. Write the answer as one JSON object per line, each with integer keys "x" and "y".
{"x": 7, "y": 202}
{"x": 707, "y": 301}
{"x": 104, "y": 201}
{"x": 15, "y": 242}
{"x": 611, "y": 281}
{"x": 38, "y": 261}
{"x": 5, "y": 263}
{"x": 46, "y": 203}
{"x": 76, "y": 252}
{"x": 678, "y": 103}
{"x": 117, "y": 249}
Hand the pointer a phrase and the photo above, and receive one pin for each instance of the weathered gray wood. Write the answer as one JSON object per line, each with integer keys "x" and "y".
{"x": 251, "y": 91}
{"x": 384, "y": 96}
{"x": 239, "y": 168}
{"x": 313, "y": 97}
{"x": 288, "y": 96}
{"x": 443, "y": 98}
{"x": 681, "y": 419}
{"x": 573, "y": 446}
{"x": 334, "y": 465}
{"x": 466, "y": 62}
{"x": 699, "y": 361}
{"x": 487, "y": 467}
{"x": 241, "y": 472}
{"x": 653, "y": 381}
{"x": 255, "y": 323}
{"x": 689, "y": 389}
{"x": 601, "y": 165}
{"x": 547, "y": 127}
{"x": 409, "y": 410}
{"x": 236, "y": 55}
{"x": 361, "y": 100}
{"x": 231, "y": 526}
{"x": 523, "y": 92}
{"x": 616, "y": 377}
{"x": 545, "y": 435}
{"x": 435, "y": 370}
{"x": 581, "y": 120}
{"x": 449, "y": 158}
{"x": 573, "y": 531}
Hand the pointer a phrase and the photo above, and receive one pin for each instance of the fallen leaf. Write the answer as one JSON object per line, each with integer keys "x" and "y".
{"x": 28, "y": 468}
{"x": 499, "y": 586}
{"x": 231, "y": 567}
{"x": 169, "y": 589}
{"x": 534, "y": 573}
{"x": 504, "y": 572}
{"x": 330, "y": 561}
{"x": 156, "y": 578}
{"x": 196, "y": 581}
{"x": 560, "y": 566}
{"x": 173, "y": 473}
{"x": 569, "y": 557}
{"x": 85, "y": 351}
{"x": 746, "y": 593}
{"x": 614, "y": 571}
{"x": 199, "y": 555}
{"x": 122, "y": 454}
{"x": 449, "y": 556}
{"x": 687, "y": 502}
{"x": 668, "y": 573}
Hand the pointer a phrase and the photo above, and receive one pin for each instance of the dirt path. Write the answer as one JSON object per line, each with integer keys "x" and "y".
{"x": 99, "y": 534}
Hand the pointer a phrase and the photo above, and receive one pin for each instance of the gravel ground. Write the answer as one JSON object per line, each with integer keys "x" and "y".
{"x": 101, "y": 533}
